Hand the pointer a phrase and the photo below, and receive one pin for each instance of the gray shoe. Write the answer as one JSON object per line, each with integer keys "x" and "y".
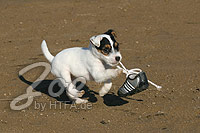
{"x": 133, "y": 84}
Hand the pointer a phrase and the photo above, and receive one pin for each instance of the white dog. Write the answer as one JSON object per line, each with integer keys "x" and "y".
{"x": 92, "y": 63}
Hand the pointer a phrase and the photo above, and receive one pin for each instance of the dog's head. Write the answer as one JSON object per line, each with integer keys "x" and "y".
{"x": 106, "y": 48}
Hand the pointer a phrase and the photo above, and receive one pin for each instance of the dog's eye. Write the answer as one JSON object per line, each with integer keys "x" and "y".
{"x": 106, "y": 50}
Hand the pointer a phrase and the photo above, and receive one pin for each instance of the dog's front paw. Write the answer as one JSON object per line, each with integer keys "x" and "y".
{"x": 118, "y": 72}
{"x": 81, "y": 93}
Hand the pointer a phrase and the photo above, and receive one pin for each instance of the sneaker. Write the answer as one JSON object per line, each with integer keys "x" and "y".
{"x": 134, "y": 84}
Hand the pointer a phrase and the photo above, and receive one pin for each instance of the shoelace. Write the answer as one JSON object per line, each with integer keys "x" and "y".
{"x": 136, "y": 71}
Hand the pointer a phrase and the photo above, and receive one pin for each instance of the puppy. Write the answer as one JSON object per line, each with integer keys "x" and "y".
{"x": 92, "y": 63}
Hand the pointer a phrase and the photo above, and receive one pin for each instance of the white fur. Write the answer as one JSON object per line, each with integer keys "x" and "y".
{"x": 83, "y": 62}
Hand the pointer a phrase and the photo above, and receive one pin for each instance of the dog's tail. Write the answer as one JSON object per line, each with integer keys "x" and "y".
{"x": 46, "y": 52}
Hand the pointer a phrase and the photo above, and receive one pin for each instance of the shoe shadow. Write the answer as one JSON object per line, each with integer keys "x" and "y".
{"x": 44, "y": 85}
{"x": 113, "y": 100}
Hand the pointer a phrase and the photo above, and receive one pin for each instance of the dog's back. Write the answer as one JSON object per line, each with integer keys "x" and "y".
{"x": 75, "y": 60}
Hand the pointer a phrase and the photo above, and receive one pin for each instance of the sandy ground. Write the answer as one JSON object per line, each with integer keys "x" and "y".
{"x": 162, "y": 37}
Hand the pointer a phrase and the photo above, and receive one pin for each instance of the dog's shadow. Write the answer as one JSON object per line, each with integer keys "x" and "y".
{"x": 109, "y": 99}
{"x": 44, "y": 85}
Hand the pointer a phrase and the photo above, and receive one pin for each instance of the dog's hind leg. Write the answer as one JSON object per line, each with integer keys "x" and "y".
{"x": 106, "y": 87}
{"x": 71, "y": 90}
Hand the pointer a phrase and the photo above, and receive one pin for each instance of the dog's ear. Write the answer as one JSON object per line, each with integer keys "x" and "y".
{"x": 95, "y": 40}
{"x": 111, "y": 33}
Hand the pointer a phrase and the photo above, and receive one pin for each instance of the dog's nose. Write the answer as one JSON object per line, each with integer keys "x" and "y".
{"x": 117, "y": 58}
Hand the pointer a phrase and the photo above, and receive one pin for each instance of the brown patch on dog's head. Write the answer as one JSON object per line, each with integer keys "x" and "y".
{"x": 108, "y": 46}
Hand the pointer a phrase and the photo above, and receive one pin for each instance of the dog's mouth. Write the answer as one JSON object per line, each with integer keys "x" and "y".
{"x": 114, "y": 64}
